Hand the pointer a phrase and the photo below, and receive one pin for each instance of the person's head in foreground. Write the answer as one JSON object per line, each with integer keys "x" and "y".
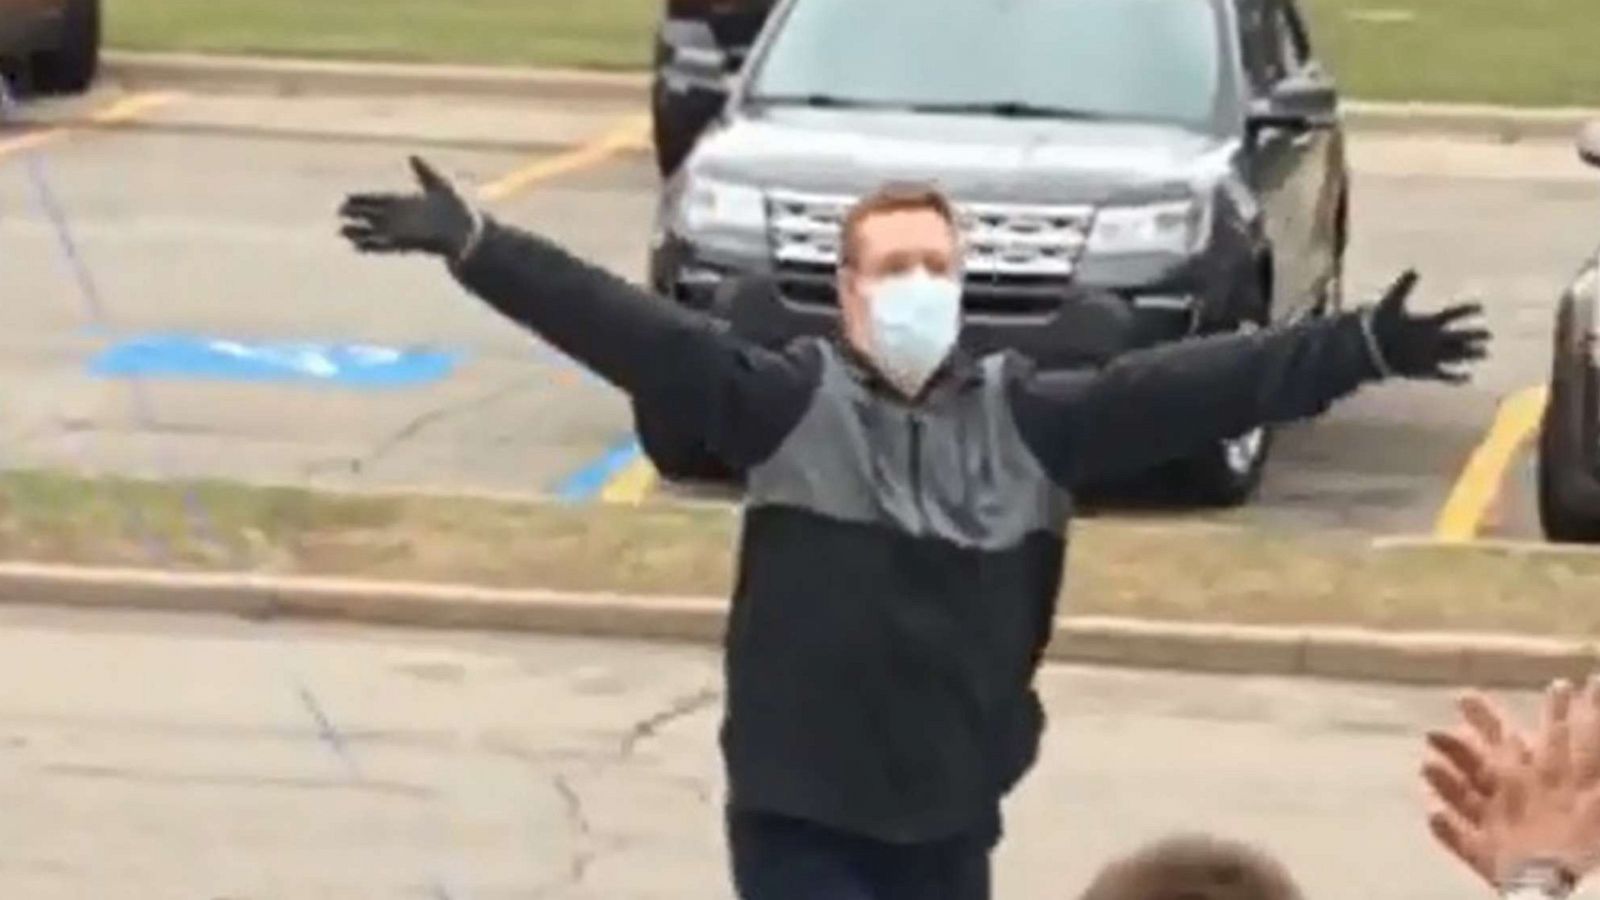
{"x": 1521, "y": 808}
{"x": 1194, "y": 867}
{"x": 899, "y": 282}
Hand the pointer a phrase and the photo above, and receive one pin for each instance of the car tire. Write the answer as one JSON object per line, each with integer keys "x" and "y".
{"x": 1228, "y": 473}
{"x": 1330, "y": 300}
{"x": 1561, "y": 521}
{"x": 71, "y": 66}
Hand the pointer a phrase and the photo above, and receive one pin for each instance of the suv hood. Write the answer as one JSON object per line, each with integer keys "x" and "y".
{"x": 975, "y": 158}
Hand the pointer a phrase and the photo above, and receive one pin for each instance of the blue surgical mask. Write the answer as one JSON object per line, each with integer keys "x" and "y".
{"x": 913, "y": 321}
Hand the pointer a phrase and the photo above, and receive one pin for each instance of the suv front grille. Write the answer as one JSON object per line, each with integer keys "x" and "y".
{"x": 1018, "y": 257}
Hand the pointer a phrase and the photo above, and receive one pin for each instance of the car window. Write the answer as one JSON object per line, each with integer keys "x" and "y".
{"x": 1125, "y": 59}
{"x": 1273, "y": 40}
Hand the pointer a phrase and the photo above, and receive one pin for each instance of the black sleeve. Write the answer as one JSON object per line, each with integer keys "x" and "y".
{"x": 1094, "y": 327}
{"x": 736, "y": 399}
{"x": 1154, "y": 406}
{"x": 676, "y": 454}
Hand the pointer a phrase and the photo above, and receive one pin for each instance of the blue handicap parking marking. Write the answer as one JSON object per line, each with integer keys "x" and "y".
{"x": 587, "y": 483}
{"x": 352, "y": 365}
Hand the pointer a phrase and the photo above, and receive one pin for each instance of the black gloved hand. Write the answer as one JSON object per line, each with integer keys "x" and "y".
{"x": 1435, "y": 347}
{"x": 435, "y": 221}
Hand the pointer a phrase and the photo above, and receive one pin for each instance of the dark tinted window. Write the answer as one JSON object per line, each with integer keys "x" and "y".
{"x": 1273, "y": 39}
{"x": 1134, "y": 59}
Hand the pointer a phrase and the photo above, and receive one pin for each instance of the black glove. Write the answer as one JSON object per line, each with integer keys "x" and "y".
{"x": 1435, "y": 347}
{"x": 435, "y": 221}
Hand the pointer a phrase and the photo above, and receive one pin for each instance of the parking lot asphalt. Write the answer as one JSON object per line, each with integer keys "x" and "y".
{"x": 158, "y": 756}
{"x": 214, "y": 216}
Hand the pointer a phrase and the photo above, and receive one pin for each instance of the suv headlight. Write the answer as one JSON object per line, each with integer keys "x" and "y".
{"x": 1176, "y": 227}
{"x": 710, "y": 206}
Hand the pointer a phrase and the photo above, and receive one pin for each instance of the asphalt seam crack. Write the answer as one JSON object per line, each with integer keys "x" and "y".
{"x": 421, "y": 422}
{"x": 576, "y": 817}
{"x": 589, "y": 846}
{"x": 583, "y": 854}
{"x": 679, "y": 708}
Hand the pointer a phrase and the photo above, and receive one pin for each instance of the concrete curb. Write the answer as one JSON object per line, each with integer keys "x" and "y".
{"x": 1498, "y": 123}
{"x": 295, "y": 76}
{"x": 141, "y": 71}
{"x": 1336, "y": 653}
{"x": 1349, "y": 654}
{"x": 348, "y": 137}
{"x": 1497, "y": 547}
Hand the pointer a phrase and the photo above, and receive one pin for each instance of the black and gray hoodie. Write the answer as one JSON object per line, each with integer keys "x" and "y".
{"x": 899, "y": 562}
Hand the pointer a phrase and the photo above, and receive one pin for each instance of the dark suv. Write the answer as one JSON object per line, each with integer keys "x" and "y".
{"x": 1182, "y": 154}
{"x": 1569, "y": 441}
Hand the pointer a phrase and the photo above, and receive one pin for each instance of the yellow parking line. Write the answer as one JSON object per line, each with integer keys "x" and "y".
{"x": 630, "y": 135}
{"x": 125, "y": 110}
{"x": 1479, "y": 486}
{"x": 633, "y": 484}
{"x": 132, "y": 107}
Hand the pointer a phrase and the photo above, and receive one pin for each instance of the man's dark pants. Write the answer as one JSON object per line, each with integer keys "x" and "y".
{"x": 779, "y": 858}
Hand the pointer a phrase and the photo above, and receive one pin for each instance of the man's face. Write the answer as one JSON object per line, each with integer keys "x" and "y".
{"x": 888, "y": 244}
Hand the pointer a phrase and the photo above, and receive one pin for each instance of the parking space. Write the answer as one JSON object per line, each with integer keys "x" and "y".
{"x": 214, "y": 216}
{"x": 154, "y": 750}
{"x": 219, "y": 236}
{"x": 1509, "y": 230}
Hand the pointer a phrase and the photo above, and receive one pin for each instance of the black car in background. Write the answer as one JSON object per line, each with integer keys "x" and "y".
{"x": 51, "y": 46}
{"x": 1182, "y": 155}
{"x": 1569, "y": 441}
{"x": 700, "y": 45}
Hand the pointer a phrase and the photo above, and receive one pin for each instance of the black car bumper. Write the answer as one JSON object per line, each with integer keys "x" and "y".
{"x": 1042, "y": 319}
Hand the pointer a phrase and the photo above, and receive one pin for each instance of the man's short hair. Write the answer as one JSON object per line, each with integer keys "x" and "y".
{"x": 1194, "y": 867}
{"x": 896, "y": 196}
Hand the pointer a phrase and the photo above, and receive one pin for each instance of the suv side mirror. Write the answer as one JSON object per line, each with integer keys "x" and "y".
{"x": 693, "y": 60}
{"x": 1589, "y": 143}
{"x": 1296, "y": 104}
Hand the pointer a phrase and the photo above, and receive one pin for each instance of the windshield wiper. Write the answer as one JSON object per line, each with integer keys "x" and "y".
{"x": 819, "y": 101}
{"x": 1015, "y": 109}
{"x": 1011, "y": 109}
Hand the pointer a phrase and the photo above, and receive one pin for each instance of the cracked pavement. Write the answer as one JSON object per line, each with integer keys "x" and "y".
{"x": 157, "y": 756}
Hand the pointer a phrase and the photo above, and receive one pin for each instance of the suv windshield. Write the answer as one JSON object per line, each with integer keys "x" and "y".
{"x": 1148, "y": 60}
